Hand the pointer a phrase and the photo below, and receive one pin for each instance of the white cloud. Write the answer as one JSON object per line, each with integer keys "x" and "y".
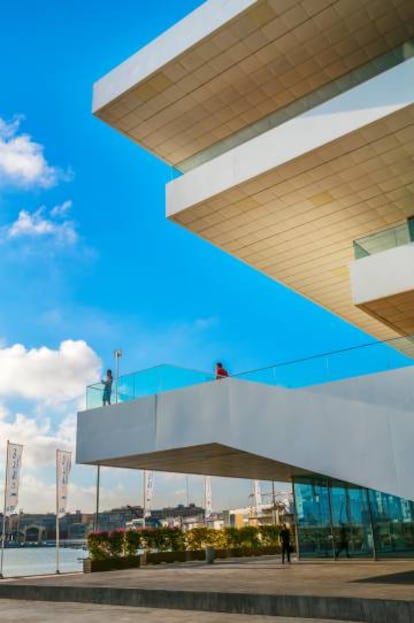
{"x": 36, "y": 224}
{"x": 61, "y": 209}
{"x": 22, "y": 162}
{"x": 36, "y": 434}
{"x": 38, "y": 494}
{"x": 47, "y": 375}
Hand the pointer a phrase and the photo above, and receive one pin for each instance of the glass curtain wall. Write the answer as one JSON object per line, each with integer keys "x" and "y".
{"x": 338, "y": 519}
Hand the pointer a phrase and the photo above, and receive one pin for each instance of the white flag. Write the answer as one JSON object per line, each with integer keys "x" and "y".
{"x": 14, "y": 462}
{"x": 149, "y": 486}
{"x": 257, "y": 496}
{"x": 209, "y": 497}
{"x": 63, "y": 465}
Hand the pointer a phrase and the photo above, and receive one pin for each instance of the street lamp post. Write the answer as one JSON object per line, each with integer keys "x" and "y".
{"x": 117, "y": 355}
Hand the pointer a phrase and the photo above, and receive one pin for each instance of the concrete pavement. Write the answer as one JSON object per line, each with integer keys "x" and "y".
{"x": 41, "y": 612}
{"x": 351, "y": 590}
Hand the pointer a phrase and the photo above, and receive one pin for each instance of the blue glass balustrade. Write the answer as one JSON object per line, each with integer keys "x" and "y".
{"x": 146, "y": 383}
{"x": 351, "y": 362}
{"x": 396, "y": 236}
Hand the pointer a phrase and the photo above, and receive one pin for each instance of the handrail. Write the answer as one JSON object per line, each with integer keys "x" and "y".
{"x": 290, "y": 374}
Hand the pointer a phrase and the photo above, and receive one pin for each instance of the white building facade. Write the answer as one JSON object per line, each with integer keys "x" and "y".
{"x": 292, "y": 123}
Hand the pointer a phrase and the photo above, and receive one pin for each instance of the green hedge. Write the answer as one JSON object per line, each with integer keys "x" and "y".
{"x": 122, "y": 543}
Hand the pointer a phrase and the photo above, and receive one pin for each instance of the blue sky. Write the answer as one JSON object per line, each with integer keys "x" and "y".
{"x": 88, "y": 256}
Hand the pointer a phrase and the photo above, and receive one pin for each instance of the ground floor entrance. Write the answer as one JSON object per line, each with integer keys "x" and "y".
{"x": 338, "y": 519}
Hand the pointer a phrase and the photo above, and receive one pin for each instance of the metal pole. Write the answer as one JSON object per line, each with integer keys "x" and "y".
{"x": 117, "y": 355}
{"x": 3, "y": 534}
{"x": 328, "y": 489}
{"x": 98, "y": 473}
{"x": 57, "y": 516}
{"x": 296, "y": 521}
{"x": 187, "y": 490}
{"x": 274, "y": 503}
{"x": 205, "y": 500}
{"x": 144, "y": 509}
{"x": 371, "y": 521}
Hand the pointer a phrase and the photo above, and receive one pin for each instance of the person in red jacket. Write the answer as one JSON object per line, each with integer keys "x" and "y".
{"x": 221, "y": 372}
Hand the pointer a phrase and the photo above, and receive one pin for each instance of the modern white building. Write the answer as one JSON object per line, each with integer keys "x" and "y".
{"x": 292, "y": 123}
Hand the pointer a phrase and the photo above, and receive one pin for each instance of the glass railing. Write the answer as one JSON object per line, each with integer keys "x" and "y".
{"x": 352, "y": 362}
{"x": 396, "y": 236}
{"x": 148, "y": 382}
{"x": 325, "y": 368}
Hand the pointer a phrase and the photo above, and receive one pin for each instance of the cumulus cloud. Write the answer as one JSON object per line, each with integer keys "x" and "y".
{"x": 22, "y": 161}
{"x": 40, "y": 223}
{"x": 38, "y": 494}
{"x": 47, "y": 375}
{"x": 37, "y": 436}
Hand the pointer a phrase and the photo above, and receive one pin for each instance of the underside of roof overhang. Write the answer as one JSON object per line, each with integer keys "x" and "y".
{"x": 219, "y": 71}
{"x": 297, "y": 222}
{"x": 210, "y": 459}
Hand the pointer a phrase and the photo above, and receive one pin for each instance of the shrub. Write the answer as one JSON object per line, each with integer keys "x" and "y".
{"x": 177, "y": 540}
{"x": 164, "y": 539}
{"x": 232, "y": 537}
{"x": 98, "y": 545}
{"x": 197, "y": 538}
{"x": 116, "y": 543}
{"x": 269, "y": 535}
{"x": 132, "y": 542}
{"x": 121, "y": 543}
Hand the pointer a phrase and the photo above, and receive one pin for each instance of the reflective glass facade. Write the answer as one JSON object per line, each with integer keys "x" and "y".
{"x": 340, "y": 519}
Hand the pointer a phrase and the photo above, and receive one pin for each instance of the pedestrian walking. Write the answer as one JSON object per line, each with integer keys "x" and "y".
{"x": 342, "y": 543}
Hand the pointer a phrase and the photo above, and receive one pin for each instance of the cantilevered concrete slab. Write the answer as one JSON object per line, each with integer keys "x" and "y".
{"x": 383, "y": 286}
{"x": 231, "y": 63}
{"x": 359, "y": 430}
{"x": 291, "y": 202}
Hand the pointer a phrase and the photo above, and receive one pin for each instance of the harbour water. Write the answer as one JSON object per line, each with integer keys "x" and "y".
{"x": 20, "y": 561}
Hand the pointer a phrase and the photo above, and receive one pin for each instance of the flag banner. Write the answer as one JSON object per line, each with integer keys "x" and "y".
{"x": 209, "y": 497}
{"x": 13, "y": 465}
{"x": 257, "y": 495}
{"x": 149, "y": 486}
{"x": 63, "y": 465}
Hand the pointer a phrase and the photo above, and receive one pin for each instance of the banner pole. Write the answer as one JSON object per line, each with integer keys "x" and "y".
{"x": 57, "y": 513}
{"x": 3, "y": 533}
{"x": 144, "y": 506}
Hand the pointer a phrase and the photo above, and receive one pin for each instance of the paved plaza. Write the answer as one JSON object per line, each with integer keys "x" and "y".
{"x": 229, "y": 590}
{"x": 264, "y": 575}
{"x": 40, "y": 612}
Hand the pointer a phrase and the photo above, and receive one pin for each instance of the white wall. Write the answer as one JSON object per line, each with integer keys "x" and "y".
{"x": 359, "y": 430}
{"x": 383, "y": 274}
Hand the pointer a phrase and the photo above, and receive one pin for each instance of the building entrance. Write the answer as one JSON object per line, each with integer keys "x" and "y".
{"x": 338, "y": 519}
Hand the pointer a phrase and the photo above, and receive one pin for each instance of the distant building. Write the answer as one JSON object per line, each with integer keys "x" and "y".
{"x": 130, "y": 516}
{"x": 118, "y": 517}
{"x": 39, "y": 527}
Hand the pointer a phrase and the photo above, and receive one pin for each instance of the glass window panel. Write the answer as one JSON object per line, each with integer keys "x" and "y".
{"x": 338, "y": 517}
{"x": 313, "y": 518}
{"x": 393, "y": 520}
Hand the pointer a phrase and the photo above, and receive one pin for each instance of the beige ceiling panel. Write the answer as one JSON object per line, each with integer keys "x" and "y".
{"x": 305, "y": 239}
{"x": 284, "y": 50}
